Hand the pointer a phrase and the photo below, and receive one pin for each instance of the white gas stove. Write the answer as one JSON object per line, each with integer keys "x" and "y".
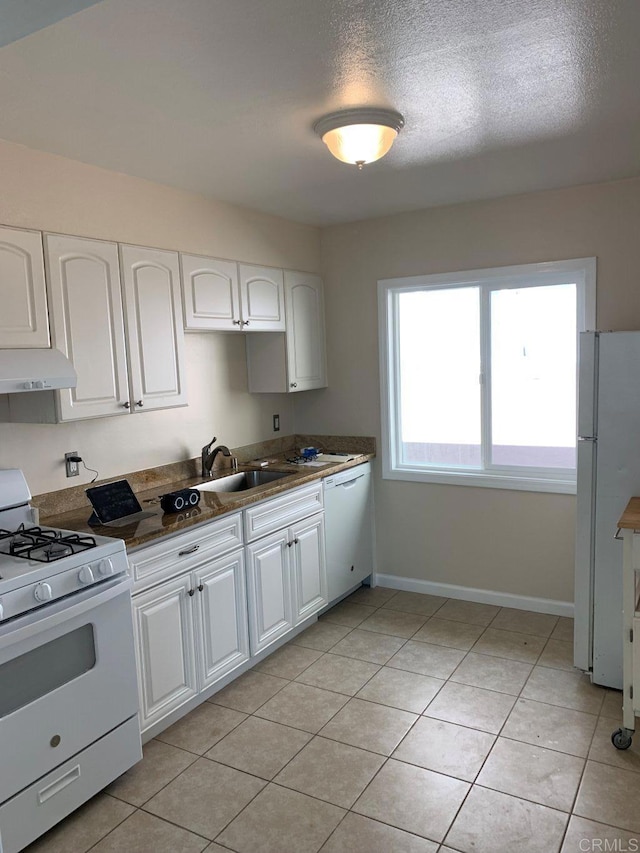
{"x": 68, "y": 686}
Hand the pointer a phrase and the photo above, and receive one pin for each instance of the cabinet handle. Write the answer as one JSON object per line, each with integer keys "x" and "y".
{"x": 289, "y": 544}
{"x": 140, "y": 404}
{"x": 191, "y": 591}
{"x": 201, "y": 587}
{"x": 237, "y": 323}
{"x": 190, "y": 550}
{"x": 294, "y": 384}
{"x": 246, "y": 323}
{"x": 295, "y": 541}
{"x": 126, "y": 405}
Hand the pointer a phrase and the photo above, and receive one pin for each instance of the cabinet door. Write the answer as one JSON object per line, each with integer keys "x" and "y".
{"x": 211, "y": 293}
{"x": 163, "y": 624}
{"x": 261, "y": 298}
{"x": 308, "y": 568}
{"x": 85, "y": 303}
{"x": 222, "y": 627}
{"x": 269, "y": 590}
{"x": 24, "y": 321}
{"x": 153, "y": 314}
{"x": 305, "y": 339}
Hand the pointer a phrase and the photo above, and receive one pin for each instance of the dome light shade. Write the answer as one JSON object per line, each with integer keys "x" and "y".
{"x": 359, "y": 136}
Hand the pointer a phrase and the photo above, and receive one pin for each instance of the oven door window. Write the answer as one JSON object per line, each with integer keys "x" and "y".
{"x": 30, "y": 676}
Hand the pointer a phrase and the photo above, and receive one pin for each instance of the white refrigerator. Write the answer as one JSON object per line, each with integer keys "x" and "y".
{"x": 608, "y": 475}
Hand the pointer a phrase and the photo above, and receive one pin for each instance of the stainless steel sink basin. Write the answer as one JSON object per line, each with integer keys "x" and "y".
{"x": 241, "y": 482}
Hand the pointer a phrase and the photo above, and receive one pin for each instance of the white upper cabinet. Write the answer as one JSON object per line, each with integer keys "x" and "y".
{"x": 295, "y": 361}
{"x": 211, "y": 294}
{"x": 261, "y": 298}
{"x": 23, "y": 320}
{"x": 153, "y": 313}
{"x": 87, "y": 324}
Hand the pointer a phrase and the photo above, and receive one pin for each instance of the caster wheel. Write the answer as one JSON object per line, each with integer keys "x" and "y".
{"x": 620, "y": 739}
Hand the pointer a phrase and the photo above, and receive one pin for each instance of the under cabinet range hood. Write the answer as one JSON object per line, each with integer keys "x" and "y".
{"x": 35, "y": 370}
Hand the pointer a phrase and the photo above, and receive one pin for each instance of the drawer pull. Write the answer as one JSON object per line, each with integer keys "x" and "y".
{"x": 190, "y": 550}
{"x": 192, "y": 592}
{"x": 59, "y": 785}
{"x": 200, "y": 587}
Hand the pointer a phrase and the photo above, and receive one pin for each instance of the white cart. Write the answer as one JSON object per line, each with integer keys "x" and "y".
{"x": 629, "y": 526}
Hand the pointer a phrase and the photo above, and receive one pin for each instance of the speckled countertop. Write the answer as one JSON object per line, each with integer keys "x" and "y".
{"x": 212, "y": 504}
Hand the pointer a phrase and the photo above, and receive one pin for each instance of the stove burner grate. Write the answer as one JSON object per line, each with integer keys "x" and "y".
{"x": 43, "y": 544}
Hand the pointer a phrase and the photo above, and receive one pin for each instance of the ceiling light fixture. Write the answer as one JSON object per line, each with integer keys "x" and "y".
{"x": 360, "y": 135}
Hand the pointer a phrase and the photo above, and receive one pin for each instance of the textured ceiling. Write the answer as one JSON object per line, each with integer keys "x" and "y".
{"x": 219, "y": 96}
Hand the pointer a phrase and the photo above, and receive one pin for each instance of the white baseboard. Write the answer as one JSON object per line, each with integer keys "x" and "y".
{"x": 482, "y": 596}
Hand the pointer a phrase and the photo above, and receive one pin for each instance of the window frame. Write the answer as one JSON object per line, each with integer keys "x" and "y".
{"x": 582, "y": 271}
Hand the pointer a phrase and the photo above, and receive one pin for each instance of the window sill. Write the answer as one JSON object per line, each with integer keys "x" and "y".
{"x": 483, "y": 480}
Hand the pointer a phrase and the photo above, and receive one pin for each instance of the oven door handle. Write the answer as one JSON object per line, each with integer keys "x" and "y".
{"x": 44, "y": 618}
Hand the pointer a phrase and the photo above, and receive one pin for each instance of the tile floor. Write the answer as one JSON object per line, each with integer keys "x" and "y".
{"x": 399, "y": 723}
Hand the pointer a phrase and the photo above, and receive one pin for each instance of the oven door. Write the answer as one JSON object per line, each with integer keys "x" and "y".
{"x": 67, "y": 677}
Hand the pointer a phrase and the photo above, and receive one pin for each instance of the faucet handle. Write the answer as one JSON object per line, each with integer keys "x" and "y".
{"x": 207, "y": 447}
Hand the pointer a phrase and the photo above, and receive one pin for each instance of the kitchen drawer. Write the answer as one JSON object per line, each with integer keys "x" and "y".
{"x": 169, "y": 557}
{"x": 273, "y": 514}
{"x": 37, "y": 808}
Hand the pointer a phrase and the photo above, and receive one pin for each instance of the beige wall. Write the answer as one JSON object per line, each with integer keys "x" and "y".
{"x": 51, "y": 193}
{"x": 517, "y": 542}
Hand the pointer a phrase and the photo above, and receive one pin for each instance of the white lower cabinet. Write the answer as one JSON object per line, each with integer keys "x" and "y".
{"x": 190, "y": 632}
{"x": 286, "y": 580}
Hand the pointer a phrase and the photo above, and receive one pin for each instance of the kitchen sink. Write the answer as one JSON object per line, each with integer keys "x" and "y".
{"x": 241, "y": 482}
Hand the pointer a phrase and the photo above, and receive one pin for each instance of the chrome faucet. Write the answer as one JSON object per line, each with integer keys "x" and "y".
{"x": 209, "y": 456}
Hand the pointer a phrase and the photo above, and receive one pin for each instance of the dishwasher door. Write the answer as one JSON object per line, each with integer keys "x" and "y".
{"x": 348, "y": 510}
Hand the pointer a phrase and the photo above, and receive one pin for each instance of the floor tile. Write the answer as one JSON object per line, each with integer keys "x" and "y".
{"x": 446, "y": 748}
{"x": 555, "y": 728}
{"x": 144, "y": 833}
{"x": 343, "y": 675}
{"x": 491, "y": 822}
{"x": 259, "y": 747}
{"x": 282, "y": 821}
{"x": 587, "y": 835}
{"x": 557, "y": 654}
{"x": 533, "y": 773}
{"x": 399, "y": 689}
{"x": 563, "y": 630}
{"x": 445, "y": 632}
{"x": 288, "y": 661}
{"x": 205, "y": 797}
{"x": 612, "y": 705}
{"x": 369, "y": 726}
{"x": 605, "y": 752}
{"x": 610, "y": 795}
{"x": 358, "y": 834}
{"x": 468, "y": 611}
{"x": 427, "y": 659}
{"x": 365, "y": 645}
{"x": 84, "y": 827}
{"x": 322, "y": 636}
{"x": 510, "y": 644}
{"x": 161, "y": 764}
{"x": 202, "y": 727}
{"x": 394, "y": 622}
{"x": 525, "y": 622}
{"x": 249, "y": 692}
{"x": 471, "y": 706}
{"x": 415, "y": 602}
{"x": 303, "y": 707}
{"x": 504, "y": 676}
{"x": 413, "y": 799}
{"x": 568, "y": 689}
{"x": 331, "y": 771}
{"x": 375, "y": 596}
{"x": 348, "y": 614}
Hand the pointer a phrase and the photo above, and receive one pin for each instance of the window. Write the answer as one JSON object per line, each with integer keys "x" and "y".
{"x": 479, "y": 374}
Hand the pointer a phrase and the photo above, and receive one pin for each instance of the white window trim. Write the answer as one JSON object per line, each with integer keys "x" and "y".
{"x": 581, "y": 270}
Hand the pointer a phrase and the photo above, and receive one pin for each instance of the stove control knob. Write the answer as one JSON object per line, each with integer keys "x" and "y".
{"x": 42, "y": 592}
{"x": 105, "y": 567}
{"x": 85, "y": 575}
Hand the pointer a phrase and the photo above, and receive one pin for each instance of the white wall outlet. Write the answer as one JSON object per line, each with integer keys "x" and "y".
{"x": 276, "y": 423}
{"x": 72, "y": 468}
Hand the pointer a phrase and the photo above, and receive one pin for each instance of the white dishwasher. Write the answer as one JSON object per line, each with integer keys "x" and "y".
{"x": 348, "y": 510}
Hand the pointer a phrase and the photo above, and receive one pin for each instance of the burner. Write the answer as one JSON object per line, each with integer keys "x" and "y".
{"x": 56, "y": 550}
{"x": 43, "y": 545}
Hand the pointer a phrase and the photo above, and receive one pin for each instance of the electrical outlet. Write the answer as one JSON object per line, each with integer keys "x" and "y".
{"x": 276, "y": 423}
{"x": 72, "y": 468}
